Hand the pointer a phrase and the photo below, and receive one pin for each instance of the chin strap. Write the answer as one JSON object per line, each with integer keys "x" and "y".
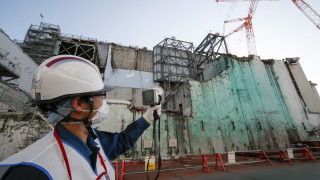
{"x": 85, "y": 121}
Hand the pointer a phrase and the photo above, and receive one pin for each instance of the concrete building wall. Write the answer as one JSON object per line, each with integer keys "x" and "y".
{"x": 18, "y": 130}
{"x": 214, "y": 68}
{"x": 180, "y": 103}
{"x": 314, "y": 120}
{"x": 102, "y": 49}
{"x": 27, "y": 65}
{"x": 129, "y": 78}
{"x": 296, "y": 109}
{"x": 126, "y": 77}
{"x": 15, "y": 99}
{"x": 134, "y": 95}
{"x": 249, "y": 106}
{"x": 131, "y": 58}
{"x": 313, "y": 86}
{"x": 309, "y": 97}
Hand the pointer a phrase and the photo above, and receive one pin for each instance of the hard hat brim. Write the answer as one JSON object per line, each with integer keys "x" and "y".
{"x": 108, "y": 88}
{"x": 105, "y": 89}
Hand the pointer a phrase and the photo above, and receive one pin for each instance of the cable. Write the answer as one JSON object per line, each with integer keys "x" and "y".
{"x": 231, "y": 10}
{"x": 237, "y": 47}
{"x": 156, "y": 118}
{"x": 140, "y": 79}
{"x": 220, "y": 17}
{"x": 229, "y": 14}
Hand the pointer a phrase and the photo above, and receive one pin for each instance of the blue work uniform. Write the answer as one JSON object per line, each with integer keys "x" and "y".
{"x": 113, "y": 144}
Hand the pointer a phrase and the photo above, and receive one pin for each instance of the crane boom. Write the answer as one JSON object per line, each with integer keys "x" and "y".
{"x": 247, "y": 25}
{"x": 311, "y": 14}
{"x": 242, "y": 0}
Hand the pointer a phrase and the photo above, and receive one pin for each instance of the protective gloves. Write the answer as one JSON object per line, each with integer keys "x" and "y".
{"x": 148, "y": 115}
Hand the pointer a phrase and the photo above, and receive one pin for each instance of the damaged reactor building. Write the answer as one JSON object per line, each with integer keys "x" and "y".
{"x": 214, "y": 101}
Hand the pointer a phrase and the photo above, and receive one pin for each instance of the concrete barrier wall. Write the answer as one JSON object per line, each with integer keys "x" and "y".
{"x": 251, "y": 105}
{"x": 309, "y": 96}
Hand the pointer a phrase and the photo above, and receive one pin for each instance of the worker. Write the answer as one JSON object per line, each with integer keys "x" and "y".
{"x": 71, "y": 91}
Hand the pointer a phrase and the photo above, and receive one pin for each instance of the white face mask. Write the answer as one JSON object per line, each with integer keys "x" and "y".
{"x": 101, "y": 114}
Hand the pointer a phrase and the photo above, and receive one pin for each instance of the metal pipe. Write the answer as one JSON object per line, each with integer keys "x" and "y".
{"x": 140, "y": 172}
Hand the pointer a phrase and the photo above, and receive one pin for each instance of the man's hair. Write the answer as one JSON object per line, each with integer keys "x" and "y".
{"x": 85, "y": 99}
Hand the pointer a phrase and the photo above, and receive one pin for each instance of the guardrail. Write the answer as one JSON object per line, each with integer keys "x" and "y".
{"x": 231, "y": 156}
{"x": 306, "y": 154}
{"x": 203, "y": 161}
{"x": 169, "y": 163}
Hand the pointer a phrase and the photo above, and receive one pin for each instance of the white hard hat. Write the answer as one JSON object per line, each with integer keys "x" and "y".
{"x": 66, "y": 76}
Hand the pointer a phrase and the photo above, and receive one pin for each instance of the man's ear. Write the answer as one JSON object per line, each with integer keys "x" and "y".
{"x": 77, "y": 104}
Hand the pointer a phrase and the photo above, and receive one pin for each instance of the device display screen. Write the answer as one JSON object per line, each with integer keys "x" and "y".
{"x": 148, "y": 97}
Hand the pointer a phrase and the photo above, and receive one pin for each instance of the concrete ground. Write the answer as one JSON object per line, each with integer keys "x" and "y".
{"x": 300, "y": 170}
{"x": 296, "y": 172}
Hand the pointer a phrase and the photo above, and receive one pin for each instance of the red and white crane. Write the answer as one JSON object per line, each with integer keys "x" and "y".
{"x": 312, "y": 15}
{"x": 247, "y": 24}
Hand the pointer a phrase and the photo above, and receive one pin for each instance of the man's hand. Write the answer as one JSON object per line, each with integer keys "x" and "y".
{"x": 148, "y": 115}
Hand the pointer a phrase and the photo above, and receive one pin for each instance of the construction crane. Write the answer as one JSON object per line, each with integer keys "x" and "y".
{"x": 312, "y": 15}
{"x": 247, "y": 25}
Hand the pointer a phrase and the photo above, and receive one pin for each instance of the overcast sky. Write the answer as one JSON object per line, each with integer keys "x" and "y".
{"x": 281, "y": 29}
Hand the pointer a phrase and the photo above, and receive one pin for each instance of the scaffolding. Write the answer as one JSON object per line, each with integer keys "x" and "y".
{"x": 46, "y": 40}
{"x": 40, "y": 41}
{"x": 173, "y": 64}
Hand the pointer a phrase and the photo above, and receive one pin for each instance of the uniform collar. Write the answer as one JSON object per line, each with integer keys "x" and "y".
{"x": 74, "y": 141}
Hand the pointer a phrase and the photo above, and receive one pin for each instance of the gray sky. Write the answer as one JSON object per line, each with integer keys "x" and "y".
{"x": 281, "y": 29}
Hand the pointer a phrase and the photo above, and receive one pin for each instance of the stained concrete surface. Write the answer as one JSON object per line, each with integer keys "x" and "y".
{"x": 305, "y": 171}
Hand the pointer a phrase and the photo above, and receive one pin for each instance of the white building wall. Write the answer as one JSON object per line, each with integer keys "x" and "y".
{"x": 296, "y": 108}
{"x": 315, "y": 120}
{"x": 313, "y": 86}
{"x": 27, "y": 65}
{"x": 127, "y": 78}
{"x": 309, "y": 97}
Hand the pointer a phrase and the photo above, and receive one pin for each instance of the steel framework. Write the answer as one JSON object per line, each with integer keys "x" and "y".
{"x": 79, "y": 46}
{"x": 209, "y": 49}
{"x": 176, "y": 61}
{"x": 173, "y": 63}
{"x": 40, "y": 41}
{"x": 44, "y": 41}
